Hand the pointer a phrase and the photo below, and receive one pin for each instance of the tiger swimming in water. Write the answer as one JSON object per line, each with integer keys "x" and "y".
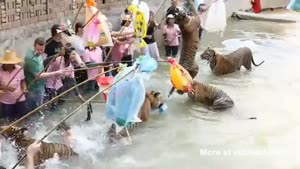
{"x": 47, "y": 150}
{"x": 189, "y": 26}
{"x": 210, "y": 96}
{"x": 225, "y": 64}
{"x": 153, "y": 100}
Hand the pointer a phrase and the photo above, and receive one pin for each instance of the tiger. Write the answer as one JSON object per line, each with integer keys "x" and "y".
{"x": 225, "y": 64}
{"x": 210, "y": 96}
{"x": 153, "y": 100}
{"x": 189, "y": 26}
{"x": 47, "y": 150}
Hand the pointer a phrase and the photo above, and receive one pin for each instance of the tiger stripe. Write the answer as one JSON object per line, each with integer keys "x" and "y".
{"x": 47, "y": 150}
{"x": 225, "y": 64}
{"x": 189, "y": 26}
{"x": 210, "y": 96}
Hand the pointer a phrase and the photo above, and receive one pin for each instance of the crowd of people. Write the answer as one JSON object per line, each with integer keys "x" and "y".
{"x": 49, "y": 67}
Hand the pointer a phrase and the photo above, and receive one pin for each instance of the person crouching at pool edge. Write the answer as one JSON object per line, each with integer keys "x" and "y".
{"x": 12, "y": 85}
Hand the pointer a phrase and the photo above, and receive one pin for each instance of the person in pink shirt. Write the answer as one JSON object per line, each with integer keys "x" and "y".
{"x": 117, "y": 51}
{"x": 128, "y": 40}
{"x": 12, "y": 85}
{"x": 54, "y": 84}
{"x": 122, "y": 50}
{"x": 92, "y": 56}
{"x": 171, "y": 33}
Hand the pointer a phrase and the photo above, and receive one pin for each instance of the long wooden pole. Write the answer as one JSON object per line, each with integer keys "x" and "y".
{"x": 54, "y": 98}
{"x": 75, "y": 20}
{"x": 107, "y": 56}
{"x": 81, "y": 5}
{"x": 72, "y": 113}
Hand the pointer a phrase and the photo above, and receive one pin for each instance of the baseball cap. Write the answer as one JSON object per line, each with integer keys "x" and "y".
{"x": 170, "y": 16}
{"x": 55, "y": 30}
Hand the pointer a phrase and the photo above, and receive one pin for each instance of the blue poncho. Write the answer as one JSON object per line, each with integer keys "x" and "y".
{"x": 147, "y": 64}
{"x": 294, "y": 5}
{"x": 127, "y": 96}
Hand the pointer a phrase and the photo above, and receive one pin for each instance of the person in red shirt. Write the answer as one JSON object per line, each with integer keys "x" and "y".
{"x": 256, "y": 6}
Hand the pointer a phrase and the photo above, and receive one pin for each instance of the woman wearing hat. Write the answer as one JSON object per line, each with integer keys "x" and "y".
{"x": 12, "y": 84}
{"x": 171, "y": 33}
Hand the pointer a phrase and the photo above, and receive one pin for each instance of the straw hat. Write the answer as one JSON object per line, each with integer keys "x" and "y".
{"x": 10, "y": 57}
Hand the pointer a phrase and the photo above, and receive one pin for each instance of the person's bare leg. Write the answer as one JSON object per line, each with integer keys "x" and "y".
{"x": 68, "y": 138}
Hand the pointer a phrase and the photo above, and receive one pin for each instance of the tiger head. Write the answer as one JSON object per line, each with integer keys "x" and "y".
{"x": 155, "y": 99}
{"x": 182, "y": 18}
{"x": 208, "y": 54}
{"x": 14, "y": 133}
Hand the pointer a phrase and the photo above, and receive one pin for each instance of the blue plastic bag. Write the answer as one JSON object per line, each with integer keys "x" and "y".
{"x": 294, "y": 5}
{"x": 197, "y": 3}
{"x": 124, "y": 71}
{"x": 125, "y": 100}
{"x": 147, "y": 64}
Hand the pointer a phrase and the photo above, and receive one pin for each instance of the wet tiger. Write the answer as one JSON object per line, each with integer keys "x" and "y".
{"x": 189, "y": 26}
{"x": 153, "y": 100}
{"x": 225, "y": 64}
{"x": 210, "y": 96}
{"x": 47, "y": 150}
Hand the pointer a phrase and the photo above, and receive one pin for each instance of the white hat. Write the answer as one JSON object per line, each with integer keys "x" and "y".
{"x": 170, "y": 16}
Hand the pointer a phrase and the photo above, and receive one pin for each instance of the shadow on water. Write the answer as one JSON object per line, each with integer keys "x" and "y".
{"x": 190, "y": 136}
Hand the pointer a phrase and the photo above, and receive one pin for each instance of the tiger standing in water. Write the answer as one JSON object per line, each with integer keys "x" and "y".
{"x": 225, "y": 64}
{"x": 189, "y": 26}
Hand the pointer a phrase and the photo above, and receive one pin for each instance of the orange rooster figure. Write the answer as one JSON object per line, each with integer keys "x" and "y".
{"x": 90, "y": 3}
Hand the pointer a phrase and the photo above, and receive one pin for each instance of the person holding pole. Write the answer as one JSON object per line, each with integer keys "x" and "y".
{"x": 12, "y": 84}
{"x": 34, "y": 75}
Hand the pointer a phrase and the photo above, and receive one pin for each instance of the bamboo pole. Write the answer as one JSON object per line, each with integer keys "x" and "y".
{"x": 77, "y": 14}
{"x": 54, "y": 98}
{"x": 46, "y": 45}
{"x": 76, "y": 100}
{"x": 51, "y": 59}
{"x": 37, "y": 77}
{"x": 72, "y": 113}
